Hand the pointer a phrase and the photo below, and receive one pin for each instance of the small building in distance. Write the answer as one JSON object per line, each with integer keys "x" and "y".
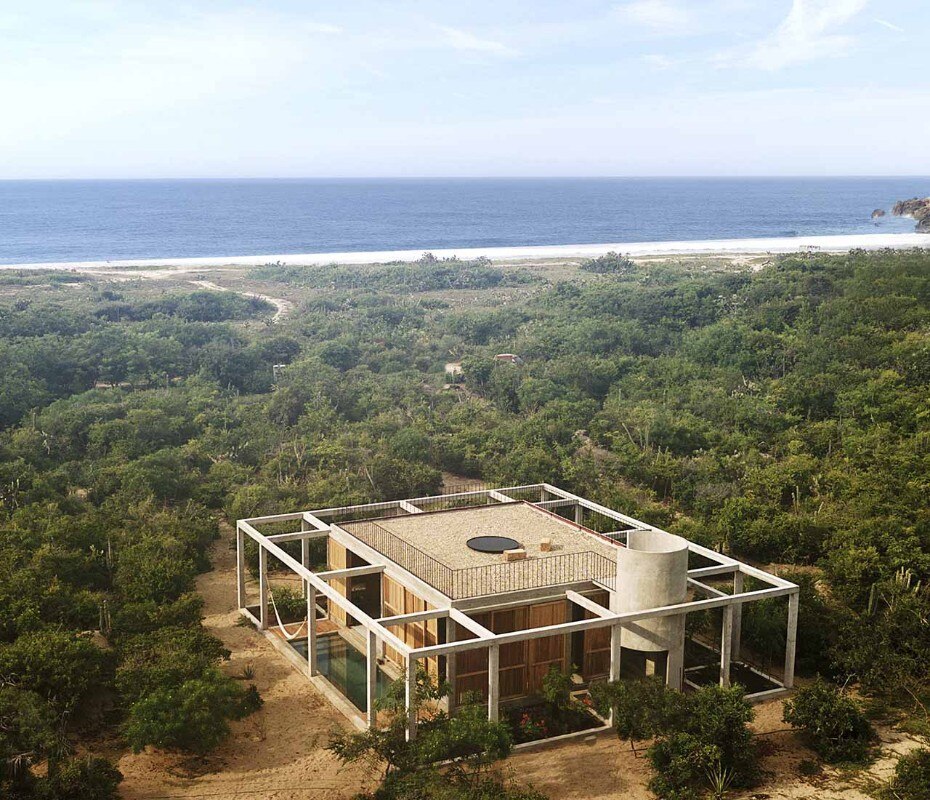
{"x": 508, "y": 358}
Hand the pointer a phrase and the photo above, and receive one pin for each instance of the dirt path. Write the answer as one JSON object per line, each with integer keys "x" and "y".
{"x": 283, "y": 307}
{"x": 276, "y": 754}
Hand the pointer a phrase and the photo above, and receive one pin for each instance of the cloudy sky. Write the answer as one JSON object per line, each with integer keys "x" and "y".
{"x": 513, "y": 87}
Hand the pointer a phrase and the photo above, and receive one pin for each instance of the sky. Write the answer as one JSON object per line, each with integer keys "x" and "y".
{"x": 359, "y": 88}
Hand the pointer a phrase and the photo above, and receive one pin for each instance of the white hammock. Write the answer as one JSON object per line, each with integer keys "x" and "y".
{"x": 289, "y": 636}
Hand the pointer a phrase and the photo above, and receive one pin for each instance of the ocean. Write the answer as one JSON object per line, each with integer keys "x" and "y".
{"x": 117, "y": 220}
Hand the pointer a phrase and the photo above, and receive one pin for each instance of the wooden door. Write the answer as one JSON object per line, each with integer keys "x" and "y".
{"x": 550, "y": 650}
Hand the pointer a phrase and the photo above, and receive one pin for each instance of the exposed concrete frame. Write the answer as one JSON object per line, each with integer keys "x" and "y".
{"x": 551, "y": 497}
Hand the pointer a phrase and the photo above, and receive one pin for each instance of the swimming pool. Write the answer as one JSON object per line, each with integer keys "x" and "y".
{"x": 344, "y": 667}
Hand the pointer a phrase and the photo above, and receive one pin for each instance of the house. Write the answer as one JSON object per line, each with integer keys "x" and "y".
{"x": 490, "y": 588}
{"x": 508, "y": 358}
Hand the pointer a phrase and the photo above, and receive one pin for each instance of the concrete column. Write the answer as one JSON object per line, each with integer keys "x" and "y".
{"x": 579, "y": 514}
{"x": 450, "y": 664}
{"x": 240, "y": 568}
{"x": 304, "y": 554}
{"x": 494, "y": 684}
{"x": 736, "y": 644}
{"x": 726, "y": 640}
{"x": 410, "y": 693}
{"x": 791, "y": 640}
{"x": 616, "y": 634}
{"x": 675, "y": 668}
{"x": 263, "y": 587}
{"x": 311, "y": 630}
{"x": 372, "y": 660}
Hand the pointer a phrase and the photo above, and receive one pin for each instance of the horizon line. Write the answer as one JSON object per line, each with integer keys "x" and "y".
{"x": 410, "y": 178}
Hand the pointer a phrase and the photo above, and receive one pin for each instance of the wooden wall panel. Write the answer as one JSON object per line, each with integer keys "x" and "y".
{"x": 596, "y": 646}
{"x": 550, "y": 650}
{"x": 336, "y": 558}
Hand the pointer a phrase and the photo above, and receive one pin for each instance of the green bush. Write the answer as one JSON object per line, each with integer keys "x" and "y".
{"x": 911, "y": 779}
{"x": 64, "y": 668}
{"x": 831, "y": 721}
{"x": 85, "y": 779}
{"x": 193, "y": 717}
{"x": 609, "y": 264}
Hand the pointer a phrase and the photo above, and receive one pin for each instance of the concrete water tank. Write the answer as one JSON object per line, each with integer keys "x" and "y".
{"x": 652, "y": 571}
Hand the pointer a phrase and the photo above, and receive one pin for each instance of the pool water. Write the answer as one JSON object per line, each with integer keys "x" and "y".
{"x": 344, "y": 667}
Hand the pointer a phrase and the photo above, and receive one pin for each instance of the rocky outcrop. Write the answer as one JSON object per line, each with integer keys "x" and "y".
{"x": 915, "y": 208}
{"x": 878, "y": 212}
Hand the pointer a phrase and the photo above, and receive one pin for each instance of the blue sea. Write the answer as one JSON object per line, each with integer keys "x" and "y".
{"x": 113, "y": 220}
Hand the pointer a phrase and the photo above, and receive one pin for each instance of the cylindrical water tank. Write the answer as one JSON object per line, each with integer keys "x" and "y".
{"x": 652, "y": 571}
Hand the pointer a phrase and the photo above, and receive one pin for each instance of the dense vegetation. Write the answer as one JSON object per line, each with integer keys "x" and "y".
{"x": 781, "y": 415}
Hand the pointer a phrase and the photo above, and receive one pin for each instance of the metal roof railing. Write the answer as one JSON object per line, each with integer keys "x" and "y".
{"x": 478, "y": 581}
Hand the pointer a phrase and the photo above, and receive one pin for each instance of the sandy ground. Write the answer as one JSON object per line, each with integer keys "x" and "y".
{"x": 705, "y": 247}
{"x": 276, "y": 754}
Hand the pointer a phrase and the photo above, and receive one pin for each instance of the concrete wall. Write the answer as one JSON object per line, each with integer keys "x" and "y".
{"x": 652, "y": 571}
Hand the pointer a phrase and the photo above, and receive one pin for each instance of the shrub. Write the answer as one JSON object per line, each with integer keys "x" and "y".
{"x": 832, "y": 722}
{"x": 64, "y": 668}
{"x": 681, "y": 765}
{"x": 85, "y": 779}
{"x": 609, "y": 264}
{"x": 166, "y": 659}
{"x": 641, "y": 708}
{"x": 911, "y": 779}
{"x": 193, "y": 717}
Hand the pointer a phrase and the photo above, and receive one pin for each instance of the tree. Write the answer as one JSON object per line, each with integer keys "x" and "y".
{"x": 28, "y": 734}
{"x": 64, "y": 668}
{"x": 468, "y": 744}
{"x": 87, "y": 778}
{"x": 831, "y": 721}
{"x": 193, "y": 716}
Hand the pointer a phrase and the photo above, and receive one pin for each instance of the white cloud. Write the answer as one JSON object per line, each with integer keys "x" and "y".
{"x": 468, "y": 42}
{"x": 659, "y": 61}
{"x": 660, "y": 16}
{"x": 809, "y": 32}
{"x": 890, "y": 25}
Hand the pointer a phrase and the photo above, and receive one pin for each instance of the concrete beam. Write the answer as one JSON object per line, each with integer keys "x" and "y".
{"x": 589, "y": 605}
{"x": 263, "y": 588}
{"x": 410, "y": 508}
{"x": 416, "y": 616}
{"x": 705, "y": 589}
{"x": 717, "y": 569}
{"x": 501, "y": 498}
{"x": 469, "y": 624}
{"x": 295, "y": 536}
{"x": 311, "y": 631}
{"x": 349, "y": 572}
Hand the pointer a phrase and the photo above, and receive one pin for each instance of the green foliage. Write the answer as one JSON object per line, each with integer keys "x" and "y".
{"x": 642, "y": 709}
{"x": 467, "y": 744}
{"x": 911, "y": 779}
{"x": 85, "y": 779}
{"x": 609, "y": 264}
{"x": 887, "y": 646}
{"x": 192, "y": 717}
{"x": 28, "y": 733}
{"x": 832, "y": 722}
{"x": 62, "y": 667}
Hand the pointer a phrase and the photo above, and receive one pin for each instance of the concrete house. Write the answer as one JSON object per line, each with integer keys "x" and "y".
{"x": 490, "y": 588}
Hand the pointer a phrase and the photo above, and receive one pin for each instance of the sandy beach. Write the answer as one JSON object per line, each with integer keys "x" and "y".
{"x": 871, "y": 241}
